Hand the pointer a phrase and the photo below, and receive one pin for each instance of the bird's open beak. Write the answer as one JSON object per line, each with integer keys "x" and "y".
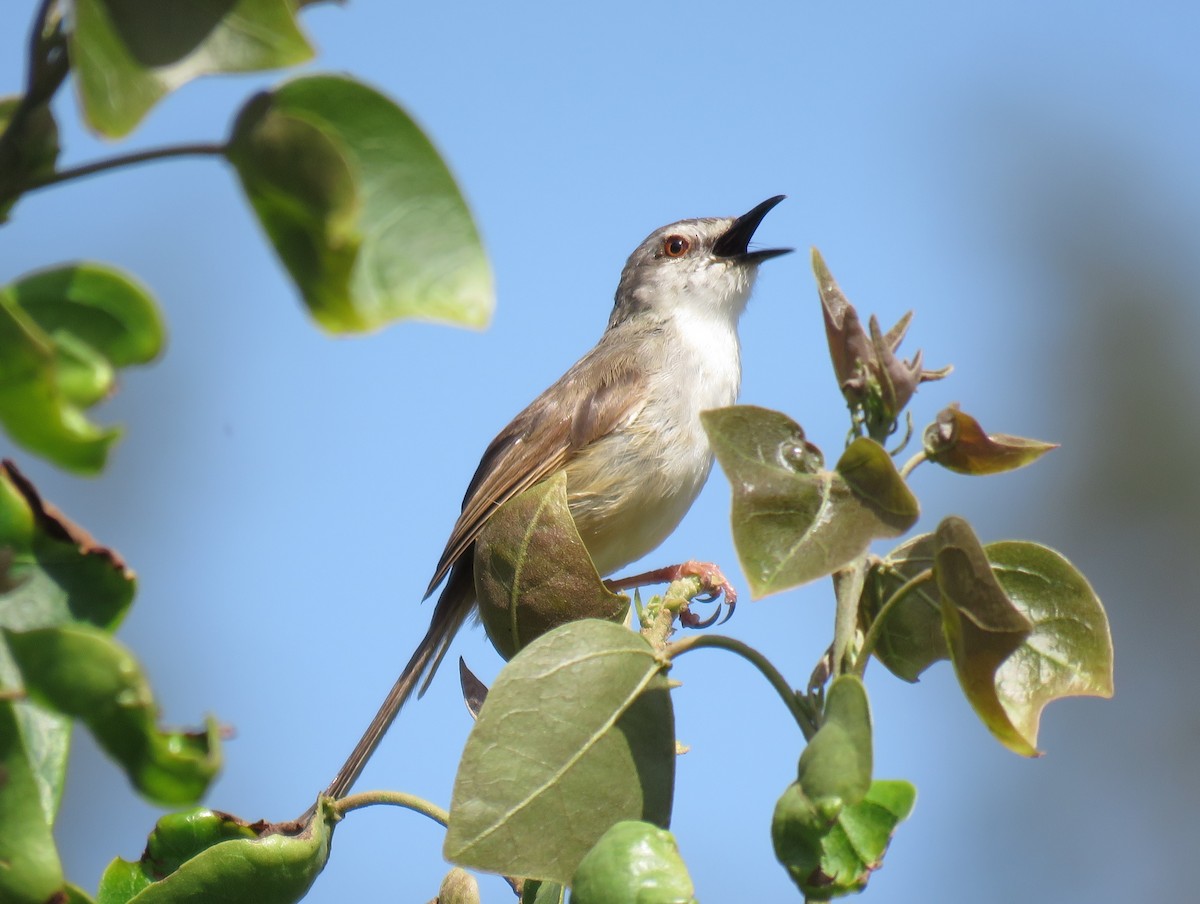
{"x": 736, "y": 240}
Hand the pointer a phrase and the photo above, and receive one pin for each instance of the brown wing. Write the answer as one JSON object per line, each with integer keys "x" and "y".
{"x": 545, "y": 436}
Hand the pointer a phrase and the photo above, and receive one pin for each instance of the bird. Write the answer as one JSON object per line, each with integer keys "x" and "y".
{"x": 623, "y": 423}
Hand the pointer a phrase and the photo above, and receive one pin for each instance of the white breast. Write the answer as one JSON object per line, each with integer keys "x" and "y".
{"x": 629, "y": 491}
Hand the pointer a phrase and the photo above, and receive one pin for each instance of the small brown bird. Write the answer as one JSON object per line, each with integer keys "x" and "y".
{"x": 623, "y": 423}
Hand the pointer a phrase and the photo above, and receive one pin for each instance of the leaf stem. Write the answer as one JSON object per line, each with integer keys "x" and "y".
{"x": 881, "y": 616}
{"x": 394, "y": 799}
{"x": 848, "y": 586}
{"x": 199, "y": 148}
{"x": 794, "y": 702}
{"x": 910, "y": 465}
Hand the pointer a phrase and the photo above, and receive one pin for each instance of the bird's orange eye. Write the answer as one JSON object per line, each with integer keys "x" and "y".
{"x": 676, "y": 246}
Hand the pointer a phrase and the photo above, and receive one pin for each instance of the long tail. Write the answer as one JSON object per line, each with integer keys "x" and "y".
{"x": 453, "y": 607}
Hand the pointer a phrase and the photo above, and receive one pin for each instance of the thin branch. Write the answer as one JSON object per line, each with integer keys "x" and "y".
{"x": 881, "y": 616}
{"x": 197, "y": 149}
{"x": 848, "y": 587}
{"x": 394, "y": 799}
{"x": 786, "y": 692}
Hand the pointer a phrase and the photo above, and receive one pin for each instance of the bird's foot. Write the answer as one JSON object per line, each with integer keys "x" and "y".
{"x": 713, "y": 586}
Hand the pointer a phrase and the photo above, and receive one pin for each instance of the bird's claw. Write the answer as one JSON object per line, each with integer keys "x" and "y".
{"x": 713, "y": 586}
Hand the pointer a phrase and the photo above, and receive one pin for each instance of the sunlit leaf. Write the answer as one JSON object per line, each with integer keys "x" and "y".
{"x": 533, "y": 573}
{"x": 792, "y": 520}
{"x": 82, "y": 672}
{"x": 128, "y": 54}
{"x": 31, "y": 871}
{"x": 360, "y": 207}
{"x": 957, "y": 442}
{"x": 63, "y": 332}
{"x": 203, "y": 856}
{"x": 576, "y": 735}
{"x": 633, "y": 863}
{"x": 1069, "y": 651}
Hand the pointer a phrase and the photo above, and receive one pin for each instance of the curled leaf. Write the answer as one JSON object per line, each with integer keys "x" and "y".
{"x": 81, "y": 672}
{"x": 832, "y": 856}
{"x": 911, "y": 638}
{"x": 533, "y": 572}
{"x": 957, "y": 442}
{"x": 203, "y": 855}
{"x": 983, "y": 627}
{"x": 835, "y": 767}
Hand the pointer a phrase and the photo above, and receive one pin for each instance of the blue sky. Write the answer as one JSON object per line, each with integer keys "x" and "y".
{"x": 284, "y": 495}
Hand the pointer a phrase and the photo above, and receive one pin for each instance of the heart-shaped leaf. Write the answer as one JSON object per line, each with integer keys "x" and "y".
{"x": 794, "y": 522}
{"x": 360, "y": 207}
{"x": 577, "y": 734}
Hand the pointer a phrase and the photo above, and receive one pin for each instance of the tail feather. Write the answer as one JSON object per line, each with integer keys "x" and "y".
{"x": 453, "y": 607}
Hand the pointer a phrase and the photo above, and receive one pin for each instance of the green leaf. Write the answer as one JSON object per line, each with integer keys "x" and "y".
{"x": 205, "y": 856}
{"x": 533, "y": 573}
{"x": 28, "y": 154}
{"x": 794, "y": 522}
{"x": 535, "y": 891}
{"x": 81, "y": 672}
{"x": 983, "y": 627}
{"x": 31, "y": 869}
{"x": 835, "y": 767}
{"x": 633, "y": 863}
{"x": 831, "y": 857}
{"x": 957, "y": 442}
{"x": 51, "y": 573}
{"x": 911, "y": 638}
{"x": 128, "y": 54}
{"x": 360, "y": 207}
{"x": 63, "y": 332}
{"x": 577, "y": 734}
{"x": 1069, "y": 651}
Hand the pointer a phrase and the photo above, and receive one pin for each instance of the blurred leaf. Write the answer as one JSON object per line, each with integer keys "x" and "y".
{"x": 76, "y": 895}
{"x": 31, "y": 871}
{"x": 633, "y": 863}
{"x": 1069, "y": 651}
{"x": 128, "y": 54}
{"x": 535, "y": 891}
{"x": 835, "y": 767}
{"x": 51, "y": 573}
{"x": 983, "y": 627}
{"x": 63, "y": 331}
{"x": 792, "y": 521}
{"x": 957, "y": 442}
{"x": 81, "y": 672}
{"x": 27, "y": 156}
{"x": 203, "y": 856}
{"x": 533, "y": 573}
{"x": 576, "y": 735}
{"x": 458, "y": 887}
{"x": 830, "y": 856}
{"x": 911, "y": 639}
{"x": 361, "y": 209}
